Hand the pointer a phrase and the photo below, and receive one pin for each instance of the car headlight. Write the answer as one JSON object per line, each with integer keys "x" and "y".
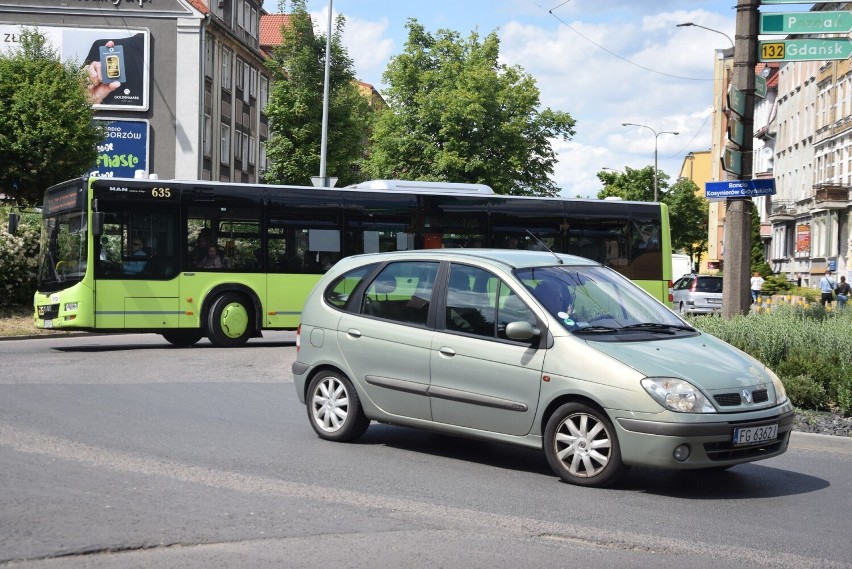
{"x": 780, "y": 392}
{"x": 677, "y": 395}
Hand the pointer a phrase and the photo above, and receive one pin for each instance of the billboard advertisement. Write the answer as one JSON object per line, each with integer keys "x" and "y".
{"x": 116, "y": 61}
{"x": 124, "y": 151}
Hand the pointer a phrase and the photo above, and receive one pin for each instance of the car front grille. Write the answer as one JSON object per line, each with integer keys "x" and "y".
{"x": 733, "y": 399}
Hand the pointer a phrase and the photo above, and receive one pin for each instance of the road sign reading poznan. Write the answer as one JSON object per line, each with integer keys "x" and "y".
{"x": 804, "y": 49}
{"x": 806, "y": 23}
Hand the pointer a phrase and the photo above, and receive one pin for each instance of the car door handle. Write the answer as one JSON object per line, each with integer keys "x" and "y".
{"x": 354, "y": 333}
{"x": 447, "y": 351}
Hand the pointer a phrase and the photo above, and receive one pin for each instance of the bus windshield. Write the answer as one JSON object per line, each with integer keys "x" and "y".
{"x": 62, "y": 260}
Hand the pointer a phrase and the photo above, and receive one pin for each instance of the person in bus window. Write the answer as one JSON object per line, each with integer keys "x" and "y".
{"x": 212, "y": 260}
{"x": 137, "y": 249}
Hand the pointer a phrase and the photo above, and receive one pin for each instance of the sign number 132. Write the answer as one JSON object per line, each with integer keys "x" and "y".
{"x": 772, "y": 50}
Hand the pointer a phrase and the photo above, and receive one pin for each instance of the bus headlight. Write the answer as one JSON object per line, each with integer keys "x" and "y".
{"x": 677, "y": 395}
{"x": 70, "y": 307}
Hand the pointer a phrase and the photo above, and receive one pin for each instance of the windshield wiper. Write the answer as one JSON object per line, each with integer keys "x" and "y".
{"x": 596, "y": 329}
{"x": 657, "y": 327}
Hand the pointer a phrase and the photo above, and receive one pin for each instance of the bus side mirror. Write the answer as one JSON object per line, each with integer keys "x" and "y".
{"x": 97, "y": 223}
{"x": 14, "y": 218}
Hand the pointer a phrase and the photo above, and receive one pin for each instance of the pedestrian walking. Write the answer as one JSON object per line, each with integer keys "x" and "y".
{"x": 842, "y": 290}
{"x": 756, "y": 286}
{"x": 826, "y": 288}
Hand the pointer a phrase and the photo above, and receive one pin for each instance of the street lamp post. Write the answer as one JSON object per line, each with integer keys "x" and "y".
{"x": 656, "y": 137}
{"x": 688, "y": 24}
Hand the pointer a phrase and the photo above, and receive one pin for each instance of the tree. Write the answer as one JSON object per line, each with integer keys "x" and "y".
{"x": 631, "y": 185}
{"x": 295, "y": 106}
{"x": 47, "y": 133}
{"x": 687, "y": 218}
{"x": 458, "y": 115}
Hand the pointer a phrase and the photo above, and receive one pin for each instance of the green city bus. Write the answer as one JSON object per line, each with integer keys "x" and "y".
{"x": 119, "y": 254}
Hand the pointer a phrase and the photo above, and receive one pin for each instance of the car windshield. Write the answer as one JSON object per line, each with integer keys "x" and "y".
{"x": 598, "y": 300}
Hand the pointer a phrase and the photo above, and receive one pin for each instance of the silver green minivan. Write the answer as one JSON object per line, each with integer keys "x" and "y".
{"x": 530, "y": 348}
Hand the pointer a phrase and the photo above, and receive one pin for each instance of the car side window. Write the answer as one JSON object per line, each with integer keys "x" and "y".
{"x": 401, "y": 292}
{"x": 340, "y": 291}
{"x": 481, "y": 304}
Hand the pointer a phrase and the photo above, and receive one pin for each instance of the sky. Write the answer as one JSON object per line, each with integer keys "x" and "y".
{"x": 606, "y": 62}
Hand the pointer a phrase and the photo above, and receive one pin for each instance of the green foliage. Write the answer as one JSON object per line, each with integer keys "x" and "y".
{"x": 776, "y": 284}
{"x": 18, "y": 259}
{"x": 47, "y": 134}
{"x": 805, "y": 392}
{"x": 687, "y": 218}
{"x": 809, "y": 348}
{"x": 631, "y": 185}
{"x": 295, "y": 107}
{"x": 457, "y": 114}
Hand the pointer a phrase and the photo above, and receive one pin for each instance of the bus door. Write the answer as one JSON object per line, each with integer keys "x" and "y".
{"x": 136, "y": 285}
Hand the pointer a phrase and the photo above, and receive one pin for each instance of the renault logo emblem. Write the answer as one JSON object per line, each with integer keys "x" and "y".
{"x": 747, "y": 395}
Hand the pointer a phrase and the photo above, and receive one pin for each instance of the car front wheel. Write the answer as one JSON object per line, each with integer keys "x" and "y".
{"x": 334, "y": 408}
{"x": 581, "y": 446}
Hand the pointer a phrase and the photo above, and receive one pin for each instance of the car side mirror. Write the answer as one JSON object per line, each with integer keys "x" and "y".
{"x": 521, "y": 331}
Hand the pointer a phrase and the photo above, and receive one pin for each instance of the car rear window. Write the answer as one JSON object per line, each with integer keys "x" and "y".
{"x": 709, "y": 284}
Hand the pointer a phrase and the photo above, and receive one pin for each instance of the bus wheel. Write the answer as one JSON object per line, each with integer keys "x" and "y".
{"x": 229, "y": 323}
{"x": 183, "y": 338}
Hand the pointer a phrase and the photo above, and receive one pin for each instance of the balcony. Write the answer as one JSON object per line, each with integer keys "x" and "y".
{"x": 831, "y": 193}
{"x": 782, "y": 209}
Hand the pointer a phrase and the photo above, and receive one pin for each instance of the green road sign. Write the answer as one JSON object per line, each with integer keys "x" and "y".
{"x": 732, "y": 161}
{"x": 736, "y": 101}
{"x": 806, "y": 23}
{"x": 804, "y": 50}
{"x": 759, "y": 86}
{"x": 796, "y": 2}
{"x": 735, "y": 131}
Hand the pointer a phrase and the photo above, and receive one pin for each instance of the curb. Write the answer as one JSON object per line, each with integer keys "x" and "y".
{"x": 815, "y": 441}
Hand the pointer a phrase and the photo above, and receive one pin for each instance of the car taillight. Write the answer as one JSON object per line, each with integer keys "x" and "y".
{"x": 298, "y": 338}
{"x": 671, "y": 292}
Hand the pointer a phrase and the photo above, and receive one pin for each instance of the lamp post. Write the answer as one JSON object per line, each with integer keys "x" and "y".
{"x": 688, "y": 24}
{"x": 656, "y": 137}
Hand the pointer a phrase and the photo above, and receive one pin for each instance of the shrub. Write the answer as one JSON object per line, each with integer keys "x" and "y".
{"x": 18, "y": 259}
{"x": 806, "y": 346}
{"x": 803, "y": 391}
{"x": 776, "y": 284}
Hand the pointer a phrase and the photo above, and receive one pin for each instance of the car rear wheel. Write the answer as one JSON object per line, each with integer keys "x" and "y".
{"x": 682, "y": 309}
{"x": 334, "y": 408}
{"x": 581, "y": 446}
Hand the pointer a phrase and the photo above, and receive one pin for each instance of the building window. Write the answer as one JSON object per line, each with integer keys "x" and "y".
{"x": 208, "y": 136}
{"x": 225, "y": 144}
{"x": 264, "y": 93}
{"x": 246, "y": 153}
{"x": 250, "y": 141}
{"x": 239, "y": 73}
{"x": 262, "y": 157}
{"x": 208, "y": 55}
{"x": 226, "y": 68}
{"x": 253, "y": 82}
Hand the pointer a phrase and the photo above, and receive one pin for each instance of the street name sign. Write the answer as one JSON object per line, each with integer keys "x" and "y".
{"x": 740, "y": 188}
{"x": 806, "y": 23}
{"x": 804, "y": 49}
{"x": 736, "y": 101}
{"x": 759, "y": 86}
{"x": 732, "y": 161}
{"x": 735, "y": 131}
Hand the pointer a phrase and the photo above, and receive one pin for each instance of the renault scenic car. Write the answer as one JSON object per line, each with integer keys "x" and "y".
{"x": 535, "y": 349}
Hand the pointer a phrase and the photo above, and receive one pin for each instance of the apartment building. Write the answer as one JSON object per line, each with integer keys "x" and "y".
{"x": 193, "y": 85}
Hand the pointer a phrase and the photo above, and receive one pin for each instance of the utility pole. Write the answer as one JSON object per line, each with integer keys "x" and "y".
{"x": 736, "y": 298}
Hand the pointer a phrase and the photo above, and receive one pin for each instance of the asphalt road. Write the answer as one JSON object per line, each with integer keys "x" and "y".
{"x": 122, "y": 451}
